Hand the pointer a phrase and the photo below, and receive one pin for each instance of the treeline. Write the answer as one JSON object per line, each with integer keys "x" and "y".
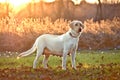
{"x": 64, "y": 9}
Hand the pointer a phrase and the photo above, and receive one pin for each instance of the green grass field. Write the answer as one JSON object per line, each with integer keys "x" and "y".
{"x": 91, "y": 65}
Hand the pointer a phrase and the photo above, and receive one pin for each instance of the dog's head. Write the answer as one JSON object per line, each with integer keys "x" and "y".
{"x": 77, "y": 26}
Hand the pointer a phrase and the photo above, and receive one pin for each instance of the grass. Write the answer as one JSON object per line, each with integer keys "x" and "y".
{"x": 84, "y": 57}
{"x": 91, "y": 65}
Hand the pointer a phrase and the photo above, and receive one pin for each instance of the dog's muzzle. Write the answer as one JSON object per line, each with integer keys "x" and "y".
{"x": 80, "y": 29}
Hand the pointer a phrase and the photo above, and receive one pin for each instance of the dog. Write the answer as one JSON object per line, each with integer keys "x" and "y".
{"x": 60, "y": 45}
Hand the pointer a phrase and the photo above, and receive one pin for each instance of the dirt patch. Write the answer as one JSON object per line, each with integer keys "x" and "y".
{"x": 102, "y": 72}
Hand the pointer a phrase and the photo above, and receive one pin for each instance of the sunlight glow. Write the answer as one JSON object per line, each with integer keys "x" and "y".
{"x": 17, "y": 3}
{"x": 2, "y": 1}
{"x": 92, "y": 1}
{"x": 76, "y": 1}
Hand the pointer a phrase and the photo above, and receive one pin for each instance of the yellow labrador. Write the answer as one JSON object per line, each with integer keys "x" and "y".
{"x": 60, "y": 45}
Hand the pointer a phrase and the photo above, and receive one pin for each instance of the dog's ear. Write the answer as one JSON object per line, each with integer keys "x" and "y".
{"x": 71, "y": 25}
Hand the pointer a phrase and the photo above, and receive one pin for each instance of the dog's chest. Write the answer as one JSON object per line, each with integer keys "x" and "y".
{"x": 71, "y": 43}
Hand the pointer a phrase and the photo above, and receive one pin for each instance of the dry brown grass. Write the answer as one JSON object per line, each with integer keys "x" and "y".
{"x": 103, "y": 35}
{"x": 19, "y": 35}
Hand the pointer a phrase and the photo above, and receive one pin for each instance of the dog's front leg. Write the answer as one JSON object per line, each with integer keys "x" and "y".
{"x": 73, "y": 56}
{"x": 64, "y": 58}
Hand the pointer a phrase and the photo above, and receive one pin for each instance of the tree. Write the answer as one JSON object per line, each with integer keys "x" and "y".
{"x": 7, "y": 8}
{"x": 99, "y": 15}
{"x": 66, "y": 9}
{"x": 29, "y": 9}
{"x": 60, "y": 7}
{"x": 42, "y": 8}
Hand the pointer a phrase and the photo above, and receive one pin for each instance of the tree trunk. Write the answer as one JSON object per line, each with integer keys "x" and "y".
{"x": 42, "y": 9}
{"x": 60, "y": 8}
{"x": 29, "y": 9}
{"x": 99, "y": 15}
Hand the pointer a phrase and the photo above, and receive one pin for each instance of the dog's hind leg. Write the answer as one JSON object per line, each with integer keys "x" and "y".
{"x": 45, "y": 61}
{"x": 39, "y": 53}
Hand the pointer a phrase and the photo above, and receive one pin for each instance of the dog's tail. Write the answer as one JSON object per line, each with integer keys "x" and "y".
{"x": 28, "y": 52}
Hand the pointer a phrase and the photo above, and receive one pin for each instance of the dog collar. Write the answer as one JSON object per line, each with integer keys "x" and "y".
{"x": 72, "y": 35}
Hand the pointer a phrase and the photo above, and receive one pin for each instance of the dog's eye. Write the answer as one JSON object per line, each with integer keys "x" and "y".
{"x": 80, "y": 24}
{"x": 76, "y": 24}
